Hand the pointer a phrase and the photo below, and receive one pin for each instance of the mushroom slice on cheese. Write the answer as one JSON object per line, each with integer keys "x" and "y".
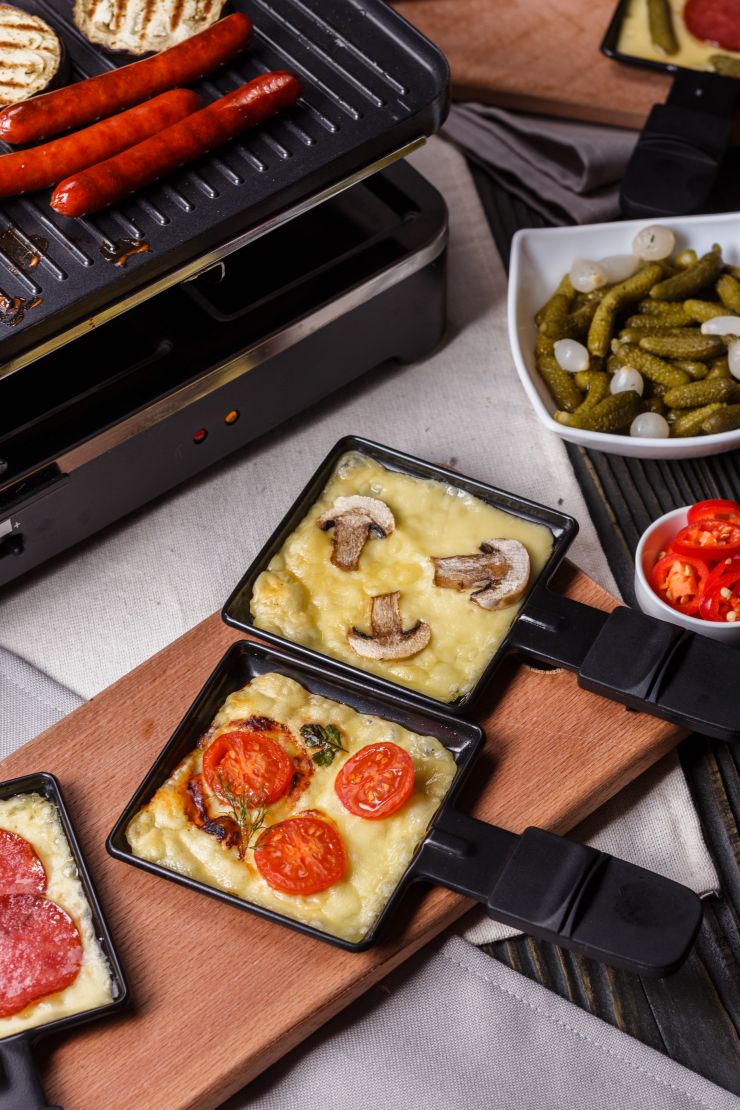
{"x": 498, "y": 576}
{"x": 388, "y": 639}
{"x": 354, "y": 519}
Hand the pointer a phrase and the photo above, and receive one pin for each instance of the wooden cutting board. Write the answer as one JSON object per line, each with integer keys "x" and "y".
{"x": 217, "y": 994}
{"x": 539, "y": 56}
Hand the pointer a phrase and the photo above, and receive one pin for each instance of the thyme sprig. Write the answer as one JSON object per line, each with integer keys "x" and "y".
{"x": 247, "y": 809}
{"x": 327, "y": 739}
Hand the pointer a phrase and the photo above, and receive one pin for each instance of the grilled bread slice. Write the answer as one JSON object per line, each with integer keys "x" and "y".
{"x": 30, "y": 55}
{"x": 143, "y": 26}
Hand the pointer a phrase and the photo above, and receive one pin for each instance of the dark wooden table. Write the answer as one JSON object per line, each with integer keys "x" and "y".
{"x": 693, "y": 1016}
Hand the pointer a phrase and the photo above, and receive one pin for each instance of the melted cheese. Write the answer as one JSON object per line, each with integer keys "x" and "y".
{"x": 634, "y": 39}
{"x": 378, "y": 852}
{"x": 37, "y": 820}
{"x": 303, "y": 597}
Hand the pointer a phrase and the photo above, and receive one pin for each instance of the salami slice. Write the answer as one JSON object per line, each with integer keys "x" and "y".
{"x": 714, "y": 21}
{"x": 21, "y": 870}
{"x": 40, "y": 950}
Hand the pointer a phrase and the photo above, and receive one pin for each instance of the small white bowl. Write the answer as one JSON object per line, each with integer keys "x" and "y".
{"x": 654, "y": 540}
{"x": 540, "y": 257}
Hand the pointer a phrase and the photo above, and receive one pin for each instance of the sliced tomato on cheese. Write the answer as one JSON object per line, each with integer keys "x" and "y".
{"x": 21, "y": 870}
{"x": 40, "y": 950}
{"x": 247, "y": 762}
{"x": 302, "y": 855}
{"x": 376, "y": 781}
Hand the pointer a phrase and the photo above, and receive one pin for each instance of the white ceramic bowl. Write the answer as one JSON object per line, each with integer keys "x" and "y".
{"x": 654, "y": 540}
{"x": 540, "y": 257}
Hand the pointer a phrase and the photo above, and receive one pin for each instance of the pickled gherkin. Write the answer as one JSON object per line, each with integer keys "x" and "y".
{"x": 725, "y": 64}
{"x": 696, "y": 394}
{"x": 697, "y": 371}
{"x": 726, "y": 419}
{"x": 650, "y": 366}
{"x": 720, "y": 368}
{"x": 613, "y": 414}
{"x": 564, "y": 390}
{"x": 728, "y": 289}
{"x": 554, "y": 311}
{"x": 692, "y": 280}
{"x": 670, "y": 313}
{"x": 660, "y": 22}
{"x": 691, "y": 345}
{"x": 690, "y": 423}
{"x": 703, "y": 310}
{"x": 596, "y": 385}
{"x": 619, "y": 297}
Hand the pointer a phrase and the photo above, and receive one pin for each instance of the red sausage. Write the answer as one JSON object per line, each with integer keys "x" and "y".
{"x": 42, "y": 166}
{"x": 715, "y": 21}
{"x": 108, "y": 93}
{"x": 40, "y": 950}
{"x": 21, "y": 870}
{"x": 114, "y": 179}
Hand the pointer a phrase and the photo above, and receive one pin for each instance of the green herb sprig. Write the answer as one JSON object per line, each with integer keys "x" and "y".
{"x": 327, "y": 739}
{"x": 247, "y": 809}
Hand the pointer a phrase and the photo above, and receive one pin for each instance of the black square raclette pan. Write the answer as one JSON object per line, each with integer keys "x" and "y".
{"x": 543, "y": 884}
{"x": 625, "y": 655}
{"x": 19, "y": 1084}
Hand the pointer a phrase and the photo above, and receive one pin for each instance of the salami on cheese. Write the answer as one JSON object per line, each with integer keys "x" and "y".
{"x": 714, "y": 21}
{"x": 21, "y": 870}
{"x": 40, "y": 950}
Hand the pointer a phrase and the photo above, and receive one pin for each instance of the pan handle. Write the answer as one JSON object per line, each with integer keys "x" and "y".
{"x": 564, "y": 892}
{"x": 19, "y": 1082}
{"x": 642, "y": 662}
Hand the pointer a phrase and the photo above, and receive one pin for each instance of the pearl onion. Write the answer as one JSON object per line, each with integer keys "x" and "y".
{"x": 625, "y": 379}
{"x": 733, "y": 358}
{"x": 586, "y": 275}
{"x": 650, "y": 425}
{"x": 653, "y": 243}
{"x": 619, "y": 267}
{"x": 571, "y": 355}
{"x": 721, "y": 325}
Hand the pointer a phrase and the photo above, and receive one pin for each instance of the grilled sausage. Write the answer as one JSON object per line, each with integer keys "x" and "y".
{"x": 42, "y": 166}
{"x": 103, "y": 96}
{"x": 115, "y": 178}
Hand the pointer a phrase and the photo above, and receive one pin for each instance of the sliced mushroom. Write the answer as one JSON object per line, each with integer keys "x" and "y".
{"x": 353, "y": 520}
{"x": 500, "y": 573}
{"x": 388, "y": 640}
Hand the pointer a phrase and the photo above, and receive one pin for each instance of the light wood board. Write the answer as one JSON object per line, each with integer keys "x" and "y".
{"x": 218, "y": 995}
{"x": 538, "y": 56}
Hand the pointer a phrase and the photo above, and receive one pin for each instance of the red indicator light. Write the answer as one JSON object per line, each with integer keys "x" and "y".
{"x": 200, "y": 435}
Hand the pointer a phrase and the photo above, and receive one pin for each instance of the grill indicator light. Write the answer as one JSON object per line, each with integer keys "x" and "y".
{"x": 231, "y": 417}
{"x": 200, "y": 435}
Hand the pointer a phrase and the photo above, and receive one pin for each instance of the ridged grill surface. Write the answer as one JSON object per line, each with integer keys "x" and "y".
{"x": 371, "y": 83}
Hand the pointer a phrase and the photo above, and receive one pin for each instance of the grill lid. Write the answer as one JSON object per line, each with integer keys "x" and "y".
{"x": 373, "y": 86}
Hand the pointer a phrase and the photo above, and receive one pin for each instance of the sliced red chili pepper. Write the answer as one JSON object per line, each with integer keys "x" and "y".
{"x": 709, "y": 539}
{"x": 679, "y": 580}
{"x": 715, "y": 510}
{"x": 721, "y": 597}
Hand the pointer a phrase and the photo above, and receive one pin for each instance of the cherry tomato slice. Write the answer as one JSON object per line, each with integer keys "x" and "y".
{"x": 376, "y": 781}
{"x": 247, "y": 762}
{"x": 715, "y": 510}
{"x": 721, "y": 598}
{"x": 679, "y": 580}
{"x": 21, "y": 870}
{"x": 708, "y": 539}
{"x": 302, "y": 855}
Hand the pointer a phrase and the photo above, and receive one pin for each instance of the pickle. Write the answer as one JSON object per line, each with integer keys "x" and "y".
{"x": 728, "y": 289}
{"x": 653, "y": 404}
{"x": 565, "y": 392}
{"x": 686, "y": 258}
{"x": 553, "y": 312}
{"x": 697, "y": 371}
{"x": 701, "y": 393}
{"x": 725, "y": 65}
{"x": 610, "y": 415}
{"x": 691, "y": 280}
{"x": 670, "y": 313}
{"x": 690, "y": 423}
{"x": 650, "y": 366}
{"x": 693, "y": 345}
{"x": 596, "y": 385}
{"x": 618, "y": 298}
{"x": 660, "y": 22}
{"x": 703, "y": 310}
{"x": 726, "y": 419}
{"x": 658, "y": 324}
{"x": 720, "y": 368}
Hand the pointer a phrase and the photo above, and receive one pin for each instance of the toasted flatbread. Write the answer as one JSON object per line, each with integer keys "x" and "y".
{"x": 30, "y": 55}
{"x": 143, "y": 26}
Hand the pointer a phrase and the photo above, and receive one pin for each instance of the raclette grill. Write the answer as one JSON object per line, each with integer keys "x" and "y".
{"x": 254, "y": 281}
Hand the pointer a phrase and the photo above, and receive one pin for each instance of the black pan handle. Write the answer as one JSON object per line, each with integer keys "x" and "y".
{"x": 20, "y": 1088}
{"x": 566, "y": 893}
{"x": 642, "y": 662}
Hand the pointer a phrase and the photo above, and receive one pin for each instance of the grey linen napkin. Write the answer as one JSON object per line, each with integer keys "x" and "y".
{"x": 568, "y": 171}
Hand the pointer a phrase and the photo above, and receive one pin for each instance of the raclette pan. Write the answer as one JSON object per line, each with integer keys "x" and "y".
{"x": 20, "y": 1087}
{"x": 540, "y": 883}
{"x": 627, "y": 656}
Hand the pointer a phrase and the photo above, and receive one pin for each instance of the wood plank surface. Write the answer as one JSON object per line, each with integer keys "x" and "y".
{"x": 218, "y": 995}
{"x": 538, "y": 56}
